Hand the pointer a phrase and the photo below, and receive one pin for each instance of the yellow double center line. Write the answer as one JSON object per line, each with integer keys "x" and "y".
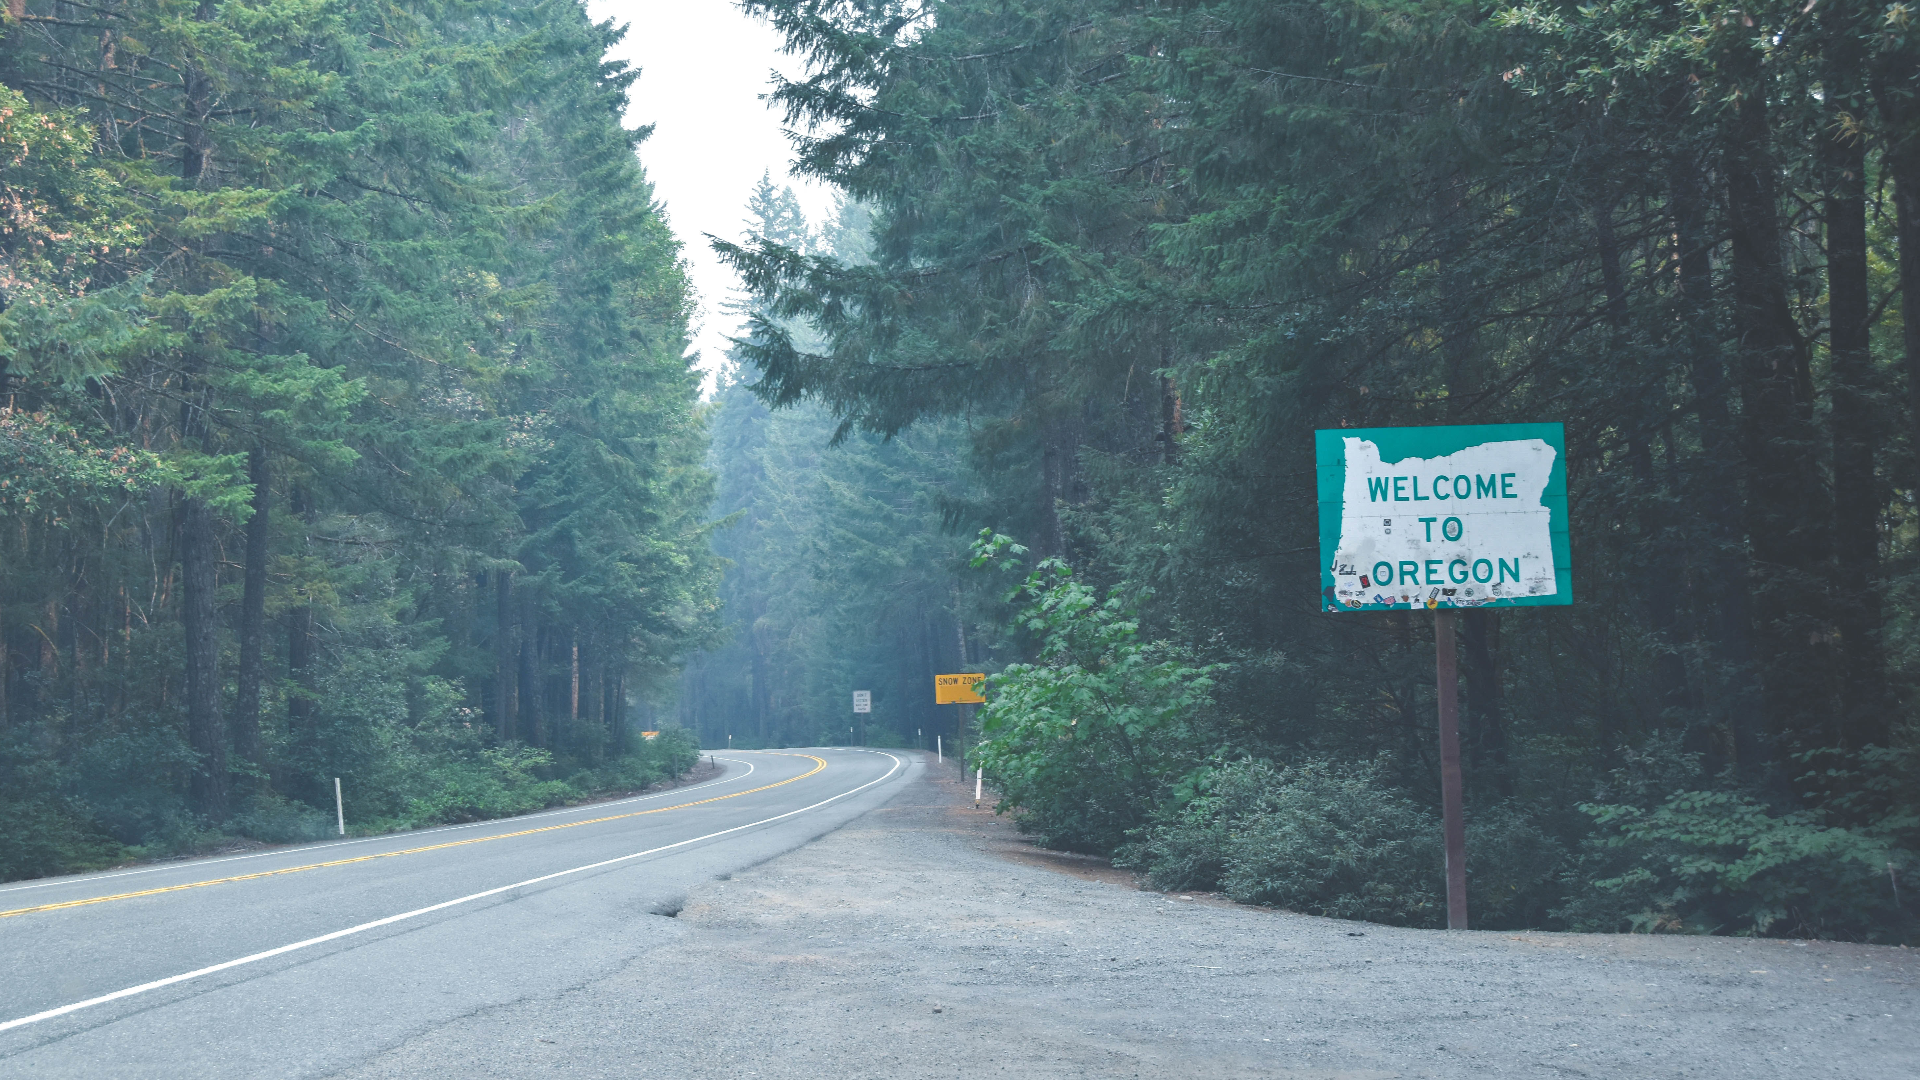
{"x": 819, "y": 763}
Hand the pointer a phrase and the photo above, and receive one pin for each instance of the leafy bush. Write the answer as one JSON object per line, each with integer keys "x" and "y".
{"x": 1513, "y": 869}
{"x": 1083, "y": 742}
{"x": 674, "y": 752}
{"x": 38, "y": 838}
{"x": 494, "y": 783}
{"x": 1328, "y": 839}
{"x": 281, "y": 821}
{"x": 58, "y": 818}
{"x": 491, "y": 783}
{"x": 133, "y": 783}
{"x": 1667, "y": 857}
{"x": 42, "y": 830}
{"x": 1317, "y": 838}
{"x": 1724, "y": 862}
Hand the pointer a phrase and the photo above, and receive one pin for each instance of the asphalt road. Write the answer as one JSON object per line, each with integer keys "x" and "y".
{"x": 928, "y": 941}
{"x": 304, "y": 960}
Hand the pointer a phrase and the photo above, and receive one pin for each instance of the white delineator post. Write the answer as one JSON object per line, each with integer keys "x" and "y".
{"x": 339, "y": 808}
{"x": 939, "y": 755}
{"x": 978, "y": 776}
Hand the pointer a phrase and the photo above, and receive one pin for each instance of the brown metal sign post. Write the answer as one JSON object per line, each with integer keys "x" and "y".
{"x": 1452, "y": 799}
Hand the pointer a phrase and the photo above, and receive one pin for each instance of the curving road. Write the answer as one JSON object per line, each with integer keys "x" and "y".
{"x": 299, "y": 961}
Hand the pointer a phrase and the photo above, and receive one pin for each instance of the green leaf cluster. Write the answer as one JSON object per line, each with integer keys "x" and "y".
{"x": 1092, "y": 733}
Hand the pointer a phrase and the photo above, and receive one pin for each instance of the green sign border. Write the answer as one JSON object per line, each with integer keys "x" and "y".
{"x": 1400, "y": 443}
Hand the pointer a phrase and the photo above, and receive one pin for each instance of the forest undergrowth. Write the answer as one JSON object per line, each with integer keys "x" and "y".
{"x": 52, "y": 823}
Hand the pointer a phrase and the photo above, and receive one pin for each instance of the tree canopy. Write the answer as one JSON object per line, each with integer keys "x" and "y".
{"x": 346, "y": 425}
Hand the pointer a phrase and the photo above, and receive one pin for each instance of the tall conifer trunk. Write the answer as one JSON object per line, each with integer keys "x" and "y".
{"x": 253, "y": 620}
{"x": 199, "y": 569}
{"x": 1895, "y": 93}
{"x": 603, "y": 712}
{"x": 1787, "y": 508}
{"x": 6, "y": 670}
{"x": 200, "y": 624}
{"x": 206, "y": 733}
{"x": 300, "y": 726}
{"x": 1724, "y": 570}
{"x": 529, "y": 704}
{"x": 929, "y": 713}
{"x": 1856, "y": 504}
{"x": 1060, "y": 482}
{"x": 1052, "y": 486}
{"x": 504, "y": 681}
{"x": 1171, "y": 422}
{"x": 1659, "y": 597}
{"x": 593, "y": 709}
{"x": 762, "y": 674}
{"x": 49, "y": 653}
{"x": 960, "y": 712}
{"x": 618, "y": 706}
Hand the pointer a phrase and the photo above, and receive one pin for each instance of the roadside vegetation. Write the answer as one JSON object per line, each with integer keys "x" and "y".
{"x": 440, "y": 778}
{"x": 345, "y": 424}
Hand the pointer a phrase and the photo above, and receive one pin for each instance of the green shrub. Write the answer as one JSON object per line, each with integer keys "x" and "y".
{"x": 673, "y": 752}
{"x": 1329, "y": 839}
{"x": 1724, "y": 862}
{"x": 42, "y": 830}
{"x": 1667, "y": 857}
{"x": 277, "y": 820}
{"x": 1513, "y": 869}
{"x": 133, "y": 783}
{"x": 493, "y": 783}
{"x": 1317, "y": 838}
{"x": 1085, "y": 741}
{"x": 38, "y": 838}
{"x": 466, "y": 784}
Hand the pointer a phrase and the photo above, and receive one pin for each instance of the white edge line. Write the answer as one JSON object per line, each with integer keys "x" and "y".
{"x": 185, "y": 864}
{"x": 416, "y": 912}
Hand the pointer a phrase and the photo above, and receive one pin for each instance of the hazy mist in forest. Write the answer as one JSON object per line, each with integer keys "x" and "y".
{"x": 704, "y": 65}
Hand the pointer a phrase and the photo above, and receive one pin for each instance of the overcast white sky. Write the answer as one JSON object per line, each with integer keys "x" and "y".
{"x": 703, "y": 66}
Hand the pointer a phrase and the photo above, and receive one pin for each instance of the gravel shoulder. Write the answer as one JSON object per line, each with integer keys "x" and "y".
{"x": 926, "y": 939}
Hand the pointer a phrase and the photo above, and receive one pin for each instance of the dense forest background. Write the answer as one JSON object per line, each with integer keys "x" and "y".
{"x": 841, "y": 554}
{"x": 348, "y": 431}
{"x": 1125, "y": 259}
{"x": 345, "y": 427}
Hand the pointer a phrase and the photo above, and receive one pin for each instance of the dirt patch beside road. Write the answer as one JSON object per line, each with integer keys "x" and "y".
{"x": 927, "y": 940}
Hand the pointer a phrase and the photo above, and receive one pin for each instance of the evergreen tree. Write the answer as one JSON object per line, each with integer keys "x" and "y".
{"x": 373, "y": 299}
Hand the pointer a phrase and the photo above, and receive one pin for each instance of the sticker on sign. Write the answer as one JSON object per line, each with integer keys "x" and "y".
{"x": 1443, "y": 517}
{"x": 863, "y": 701}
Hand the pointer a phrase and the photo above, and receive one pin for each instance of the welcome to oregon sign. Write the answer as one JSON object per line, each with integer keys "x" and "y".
{"x": 1439, "y": 517}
